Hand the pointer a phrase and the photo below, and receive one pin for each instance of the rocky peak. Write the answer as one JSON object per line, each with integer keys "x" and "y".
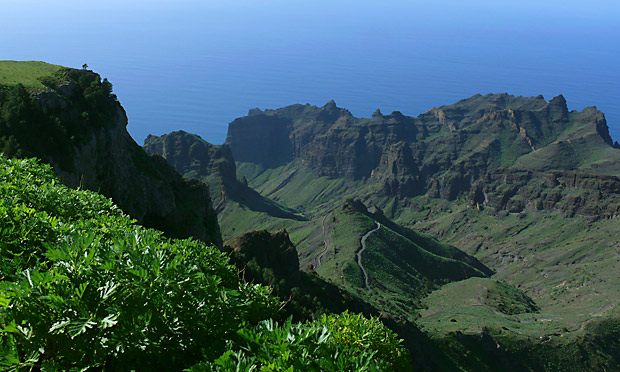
{"x": 559, "y": 101}
{"x": 331, "y": 105}
{"x": 330, "y": 113}
{"x": 270, "y": 250}
{"x": 255, "y": 111}
{"x": 192, "y": 156}
{"x": 558, "y": 105}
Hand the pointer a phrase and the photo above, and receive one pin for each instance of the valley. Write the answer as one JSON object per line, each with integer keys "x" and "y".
{"x": 525, "y": 186}
{"x": 483, "y": 233}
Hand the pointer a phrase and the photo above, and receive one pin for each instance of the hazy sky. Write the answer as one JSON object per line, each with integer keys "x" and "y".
{"x": 281, "y": 21}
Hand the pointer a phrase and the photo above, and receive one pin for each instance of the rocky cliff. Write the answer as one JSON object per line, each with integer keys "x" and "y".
{"x": 195, "y": 158}
{"x": 76, "y": 124}
{"x": 445, "y": 152}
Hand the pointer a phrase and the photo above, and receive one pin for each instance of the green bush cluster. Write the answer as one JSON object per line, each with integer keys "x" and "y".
{"x": 85, "y": 288}
{"x": 345, "y": 342}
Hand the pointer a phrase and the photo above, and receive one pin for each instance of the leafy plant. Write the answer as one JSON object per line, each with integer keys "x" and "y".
{"x": 84, "y": 288}
{"x": 344, "y": 342}
{"x": 91, "y": 289}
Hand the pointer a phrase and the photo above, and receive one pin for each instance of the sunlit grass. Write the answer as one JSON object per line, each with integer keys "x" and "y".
{"x": 26, "y": 73}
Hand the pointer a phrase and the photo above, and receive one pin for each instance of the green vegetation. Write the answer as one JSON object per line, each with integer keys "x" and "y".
{"x": 85, "y": 288}
{"x": 294, "y": 185}
{"x": 81, "y": 273}
{"x": 458, "y": 306}
{"x": 28, "y": 74}
{"x": 560, "y": 262}
{"x": 343, "y": 342}
{"x": 44, "y": 125}
{"x": 402, "y": 266}
{"x": 346, "y": 228}
{"x": 525, "y": 186}
{"x": 522, "y": 184}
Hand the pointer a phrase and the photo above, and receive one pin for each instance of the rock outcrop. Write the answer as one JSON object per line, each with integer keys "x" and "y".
{"x": 270, "y": 250}
{"x": 195, "y": 158}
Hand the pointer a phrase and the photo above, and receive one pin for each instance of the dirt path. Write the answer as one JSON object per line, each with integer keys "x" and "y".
{"x": 325, "y": 242}
{"x": 359, "y": 253}
{"x": 605, "y": 308}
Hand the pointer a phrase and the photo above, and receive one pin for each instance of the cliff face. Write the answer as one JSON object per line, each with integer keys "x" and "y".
{"x": 444, "y": 152}
{"x": 569, "y": 193}
{"x": 195, "y": 158}
{"x": 94, "y": 151}
{"x": 328, "y": 139}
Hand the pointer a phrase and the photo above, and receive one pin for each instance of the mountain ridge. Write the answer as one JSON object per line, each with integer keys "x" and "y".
{"x": 312, "y": 134}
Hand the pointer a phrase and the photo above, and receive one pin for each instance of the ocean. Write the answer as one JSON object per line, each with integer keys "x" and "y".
{"x": 197, "y": 65}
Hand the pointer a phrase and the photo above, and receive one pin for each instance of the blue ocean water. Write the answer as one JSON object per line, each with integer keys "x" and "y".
{"x": 197, "y": 65}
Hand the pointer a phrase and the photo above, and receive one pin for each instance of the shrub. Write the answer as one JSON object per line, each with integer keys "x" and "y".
{"x": 90, "y": 289}
{"x": 344, "y": 342}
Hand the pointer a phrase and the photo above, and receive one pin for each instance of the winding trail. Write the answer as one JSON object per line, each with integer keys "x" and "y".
{"x": 325, "y": 241}
{"x": 359, "y": 253}
{"x": 605, "y": 308}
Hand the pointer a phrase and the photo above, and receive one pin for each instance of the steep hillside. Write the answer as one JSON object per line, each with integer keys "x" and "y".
{"x": 403, "y": 265}
{"x": 390, "y": 266}
{"x": 194, "y": 158}
{"x": 482, "y": 133}
{"x": 545, "y": 226}
{"x": 526, "y": 186}
{"x": 73, "y": 121}
{"x": 527, "y": 190}
{"x": 271, "y": 259}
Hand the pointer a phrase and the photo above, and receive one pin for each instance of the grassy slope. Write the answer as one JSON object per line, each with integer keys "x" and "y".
{"x": 295, "y": 186}
{"x": 400, "y": 272}
{"x": 25, "y": 73}
{"x": 561, "y": 263}
{"x": 292, "y": 185}
{"x": 579, "y": 146}
{"x": 340, "y": 267}
{"x": 459, "y": 306}
{"x": 567, "y": 265}
{"x": 404, "y": 271}
{"x": 398, "y": 267}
